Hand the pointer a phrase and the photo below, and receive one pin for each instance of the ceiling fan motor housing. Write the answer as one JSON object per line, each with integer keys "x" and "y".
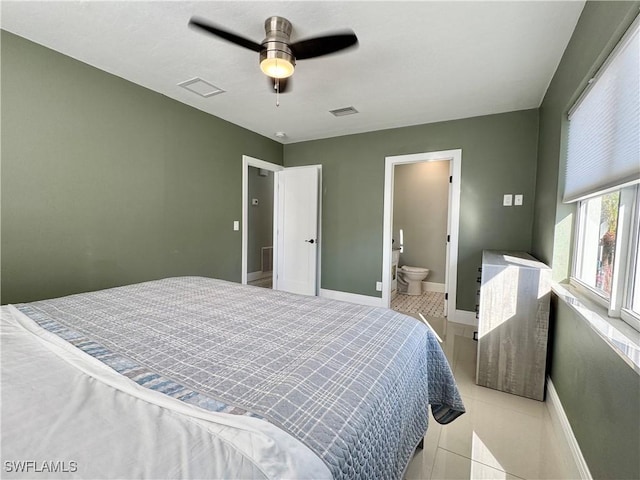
{"x": 275, "y": 47}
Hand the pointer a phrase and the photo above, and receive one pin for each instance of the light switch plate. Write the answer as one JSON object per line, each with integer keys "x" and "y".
{"x": 379, "y": 286}
{"x": 507, "y": 200}
{"x": 236, "y": 225}
{"x": 517, "y": 200}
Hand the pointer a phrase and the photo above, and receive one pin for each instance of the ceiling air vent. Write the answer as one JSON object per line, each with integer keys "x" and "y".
{"x": 202, "y": 88}
{"x": 341, "y": 112}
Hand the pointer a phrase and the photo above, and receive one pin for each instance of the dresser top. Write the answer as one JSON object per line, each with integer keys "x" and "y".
{"x": 511, "y": 258}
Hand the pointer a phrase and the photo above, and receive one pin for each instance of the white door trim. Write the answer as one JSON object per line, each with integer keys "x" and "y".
{"x": 454, "y": 220}
{"x": 246, "y": 163}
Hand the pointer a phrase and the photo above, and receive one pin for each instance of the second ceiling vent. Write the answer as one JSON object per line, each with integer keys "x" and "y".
{"x": 341, "y": 112}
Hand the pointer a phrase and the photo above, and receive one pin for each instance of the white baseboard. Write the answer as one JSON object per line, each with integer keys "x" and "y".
{"x": 251, "y": 276}
{"x": 464, "y": 317}
{"x": 433, "y": 287}
{"x": 351, "y": 297}
{"x": 565, "y": 434}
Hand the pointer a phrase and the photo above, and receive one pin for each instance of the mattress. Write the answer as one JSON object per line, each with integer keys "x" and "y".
{"x": 348, "y": 382}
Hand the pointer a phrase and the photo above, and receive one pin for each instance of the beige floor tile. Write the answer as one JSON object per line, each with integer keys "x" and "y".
{"x": 501, "y": 435}
{"x": 506, "y": 439}
{"x": 422, "y": 464}
{"x": 464, "y": 371}
{"x": 451, "y": 466}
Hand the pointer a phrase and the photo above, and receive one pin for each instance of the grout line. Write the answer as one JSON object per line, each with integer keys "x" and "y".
{"x": 510, "y": 408}
{"x": 431, "y": 444}
{"x": 481, "y": 463}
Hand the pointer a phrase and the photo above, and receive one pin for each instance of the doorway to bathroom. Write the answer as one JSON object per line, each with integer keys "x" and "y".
{"x": 420, "y": 232}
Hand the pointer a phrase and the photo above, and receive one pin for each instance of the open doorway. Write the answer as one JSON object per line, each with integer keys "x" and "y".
{"x": 446, "y": 280}
{"x": 419, "y": 237}
{"x": 258, "y": 183}
{"x": 260, "y": 227}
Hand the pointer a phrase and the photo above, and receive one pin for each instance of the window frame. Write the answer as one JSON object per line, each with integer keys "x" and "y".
{"x": 619, "y": 305}
{"x": 632, "y": 273}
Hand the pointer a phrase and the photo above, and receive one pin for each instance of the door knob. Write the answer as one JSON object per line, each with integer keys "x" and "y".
{"x": 310, "y": 241}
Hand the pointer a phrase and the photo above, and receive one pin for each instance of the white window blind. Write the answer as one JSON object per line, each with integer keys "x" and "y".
{"x": 603, "y": 151}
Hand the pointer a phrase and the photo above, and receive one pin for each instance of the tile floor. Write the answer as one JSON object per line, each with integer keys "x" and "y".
{"x": 502, "y": 436}
{"x": 262, "y": 282}
{"x": 430, "y": 304}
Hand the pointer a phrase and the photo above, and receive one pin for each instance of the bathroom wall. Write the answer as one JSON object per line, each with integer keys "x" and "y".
{"x": 420, "y": 207}
{"x": 260, "y": 217}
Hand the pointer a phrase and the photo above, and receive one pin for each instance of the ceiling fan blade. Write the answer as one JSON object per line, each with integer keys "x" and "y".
{"x": 286, "y": 84}
{"x": 318, "y": 46}
{"x": 225, "y": 34}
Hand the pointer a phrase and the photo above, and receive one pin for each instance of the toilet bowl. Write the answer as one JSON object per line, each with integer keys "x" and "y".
{"x": 410, "y": 279}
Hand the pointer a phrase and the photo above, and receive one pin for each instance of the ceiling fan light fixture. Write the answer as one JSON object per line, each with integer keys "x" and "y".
{"x": 277, "y": 54}
{"x": 277, "y": 61}
{"x": 277, "y": 68}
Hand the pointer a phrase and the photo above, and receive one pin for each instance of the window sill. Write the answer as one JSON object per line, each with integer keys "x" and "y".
{"x": 620, "y": 336}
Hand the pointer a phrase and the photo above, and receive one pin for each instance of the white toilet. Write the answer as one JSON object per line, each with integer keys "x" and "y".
{"x": 410, "y": 279}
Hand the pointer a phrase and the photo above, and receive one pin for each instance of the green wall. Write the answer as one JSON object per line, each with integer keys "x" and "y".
{"x": 498, "y": 156}
{"x": 107, "y": 183}
{"x": 599, "y": 392}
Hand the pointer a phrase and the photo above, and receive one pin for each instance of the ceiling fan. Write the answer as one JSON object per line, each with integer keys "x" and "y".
{"x": 277, "y": 54}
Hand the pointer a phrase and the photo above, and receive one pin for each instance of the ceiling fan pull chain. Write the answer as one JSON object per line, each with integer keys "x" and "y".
{"x": 277, "y": 87}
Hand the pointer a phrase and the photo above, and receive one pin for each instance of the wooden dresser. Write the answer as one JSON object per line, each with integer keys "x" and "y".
{"x": 513, "y": 316}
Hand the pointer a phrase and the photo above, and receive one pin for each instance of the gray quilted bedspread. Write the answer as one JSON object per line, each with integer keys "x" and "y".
{"x": 352, "y": 382}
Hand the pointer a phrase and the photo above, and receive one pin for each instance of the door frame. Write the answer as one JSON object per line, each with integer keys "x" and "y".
{"x": 455, "y": 156}
{"x": 247, "y": 162}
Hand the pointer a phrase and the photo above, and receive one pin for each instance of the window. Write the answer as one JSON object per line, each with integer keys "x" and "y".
{"x": 603, "y": 177}
{"x": 607, "y": 255}
{"x": 596, "y": 253}
{"x": 635, "y": 292}
{"x": 635, "y": 289}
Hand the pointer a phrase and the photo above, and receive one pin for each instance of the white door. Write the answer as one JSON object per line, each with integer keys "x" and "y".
{"x": 297, "y": 230}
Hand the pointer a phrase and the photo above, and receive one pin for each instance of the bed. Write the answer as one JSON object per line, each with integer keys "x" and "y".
{"x": 195, "y": 377}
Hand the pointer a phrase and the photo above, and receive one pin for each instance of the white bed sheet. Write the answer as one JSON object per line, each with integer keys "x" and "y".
{"x": 62, "y": 409}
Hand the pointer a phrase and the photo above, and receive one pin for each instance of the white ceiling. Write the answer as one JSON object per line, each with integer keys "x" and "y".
{"x": 417, "y": 62}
